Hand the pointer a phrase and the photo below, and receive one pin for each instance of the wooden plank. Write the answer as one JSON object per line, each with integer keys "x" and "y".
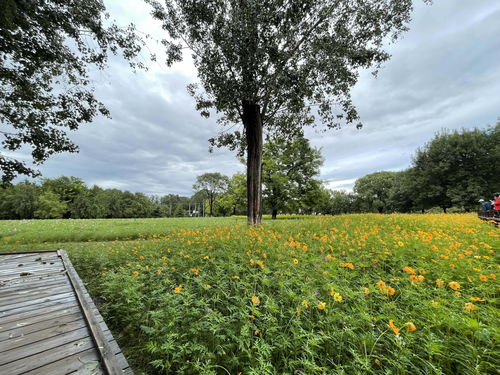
{"x": 27, "y": 282}
{"x": 40, "y": 336}
{"x": 40, "y": 313}
{"x": 30, "y": 295}
{"x": 6, "y": 309}
{"x": 27, "y": 257}
{"x": 29, "y": 320}
{"x": 43, "y": 345}
{"x": 46, "y": 357}
{"x": 30, "y": 287}
{"x": 62, "y": 302}
{"x": 12, "y": 278}
{"x": 24, "y": 330}
{"x": 108, "y": 358}
{"x": 16, "y": 270}
{"x": 86, "y": 362}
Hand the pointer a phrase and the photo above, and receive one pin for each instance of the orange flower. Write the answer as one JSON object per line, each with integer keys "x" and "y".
{"x": 483, "y": 278}
{"x": 492, "y": 276}
{"x": 454, "y": 285}
{"x": 255, "y": 300}
{"x": 409, "y": 270}
{"x": 393, "y": 327}
{"x": 136, "y": 273}
{"x": 439, "y": 282}
{"x": 158, "y": 271}
{"x": 366, "y": 291}
{"x": 196, "y": 271}
{"x": 410, "y": 327}
{"x": 374, "y": 261}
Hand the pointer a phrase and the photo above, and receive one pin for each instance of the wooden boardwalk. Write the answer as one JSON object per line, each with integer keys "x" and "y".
{"x": 48, "y": 322}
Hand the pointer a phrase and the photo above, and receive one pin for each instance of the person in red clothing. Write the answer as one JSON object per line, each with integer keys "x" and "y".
{"x": 496, "y": 205}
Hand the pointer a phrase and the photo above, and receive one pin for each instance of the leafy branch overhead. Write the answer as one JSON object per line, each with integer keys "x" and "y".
{"x": 46, "y": 51}
{"x": 295, "y": 59}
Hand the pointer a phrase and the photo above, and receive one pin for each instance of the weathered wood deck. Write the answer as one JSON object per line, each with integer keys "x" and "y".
{"x": 48, "y": 322}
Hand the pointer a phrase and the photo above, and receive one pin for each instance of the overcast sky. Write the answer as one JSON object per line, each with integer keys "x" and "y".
{"x": 444, "y": 73}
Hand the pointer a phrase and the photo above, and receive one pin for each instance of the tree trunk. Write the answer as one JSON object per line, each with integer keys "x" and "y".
{"x": 252, "y": 121}
{"x": 274, "y": 214}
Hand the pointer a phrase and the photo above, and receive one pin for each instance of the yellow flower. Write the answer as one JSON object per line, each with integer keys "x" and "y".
{"x": 103, "y": 274}
{"x": 321, "y": 305}
{"x": 255, "y": 300}
{"x": 236, "y": 277}
{"x": 439, "y": 282}
{"x": 209, "y": 286}
{"x": 260, "y": 263}
{"x": 136, "y": 273}
{"x": 469, "y": 307}
{"x": 401, "y": 244}
{"x": 337, "y": 297}
{"x": 295, "y": 261}
{"x": 393, "y": 327}
{"x": 454, "y": 285}
{"x": 477, "y": 299}
{"x": 178, "y": 289}
{"x": 492, "y": 276}
{"x": 305, "y": 304}
{"x": 366, "y": 291}
{"x": 410, "y": 327}
{"x": 256, "y": 332}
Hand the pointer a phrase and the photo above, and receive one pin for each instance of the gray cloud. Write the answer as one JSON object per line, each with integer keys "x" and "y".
{"x": 444, "y": 73}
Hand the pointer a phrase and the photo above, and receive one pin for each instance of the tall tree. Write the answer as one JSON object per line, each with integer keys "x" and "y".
{"x": 272, "y": 65}
{"x": 289, "y": 166}
{"x": 459, "y": 167}
{"x": 375, "y": 189}
{"x": 213, "y": 184}
{"x": 46, "y": 48}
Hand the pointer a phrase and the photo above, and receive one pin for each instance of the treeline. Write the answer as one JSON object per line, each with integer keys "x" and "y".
{"x": 452, "y": 172}
{"x": 69, "y": 197}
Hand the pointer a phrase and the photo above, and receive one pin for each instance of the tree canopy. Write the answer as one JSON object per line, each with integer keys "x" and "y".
{"x": 272, "y": 65}
{"x": 46, "y": 49}
{"x": 289, "y": 167}
{"x": 213, "y": 184}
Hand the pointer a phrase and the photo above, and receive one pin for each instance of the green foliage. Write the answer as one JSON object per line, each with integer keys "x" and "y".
{"x": 287, "y": 175}
{"x": 457, "y": 168}
{"x": 213, "y": 185}
{"x": 46, "y": 53}
{"x": 19, "y": 201}
{"x": 289, "y": 58}
{"x": 374, "y": 189}
{"x": 50, "y": 206}
{"x": 212, "y": 326}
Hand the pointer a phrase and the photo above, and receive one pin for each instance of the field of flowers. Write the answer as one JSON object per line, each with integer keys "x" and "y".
{"x": 354, "y": 294}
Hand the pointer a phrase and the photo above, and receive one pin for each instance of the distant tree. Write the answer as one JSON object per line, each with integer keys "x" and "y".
{"x": 459, "y": 167}
{"x": 90, "y": 204}
{"x": 19, "y": 201}
{"x": 50, "y": 206}
{"x": 340, "y": 202}
{"x": 46, "y": 51}
{"x": 179, "y": 210}
{"x": 234, "y": 200}
{"x": 289, "y": 166}
{"x": 213, "y": 184}
{"x": 315, "y": 198}
{"x": 272, "y": 65}
{"x": 375, "y": 189}
{"x": 67, "y": 188}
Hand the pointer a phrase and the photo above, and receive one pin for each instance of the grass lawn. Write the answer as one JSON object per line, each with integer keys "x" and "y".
{"x": 355, "y": 294}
